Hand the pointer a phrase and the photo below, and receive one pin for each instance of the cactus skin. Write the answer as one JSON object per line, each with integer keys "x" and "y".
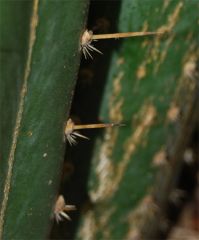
{"x": 42, "y": 57}
{"x": 12, "y": 57}
{"x": 150, "y": 82}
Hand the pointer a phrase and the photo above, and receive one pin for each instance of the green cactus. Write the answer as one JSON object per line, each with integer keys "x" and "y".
{"x": 40, "y": 55}
{"x": 152, "y": 88}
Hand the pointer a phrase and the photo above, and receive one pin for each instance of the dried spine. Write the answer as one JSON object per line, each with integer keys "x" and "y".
{"x": 71, "y": 133}
{"x": 86, "y": 44}
{"x": 88, "y": 37}
{"x": 61, "y": 208}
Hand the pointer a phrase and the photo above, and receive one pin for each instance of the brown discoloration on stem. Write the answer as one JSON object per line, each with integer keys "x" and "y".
{"x": 141, "y": 72}
{"x": 160, "y": 158}
{"x": 136, "y": 217}
{"x": 105, "y": 167}
{"x": 173, "y": 112}
{"x": 171, "y": 23}
{"x": 148, "y": 114}
{"x": 156, "y": 54}
{"x": 166, "y": 4}
{"x": 187, "y": 77}
{"x": 93, "y": 222}
{"x": 89, "y": 227}
{"x": 110, "y": 174}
